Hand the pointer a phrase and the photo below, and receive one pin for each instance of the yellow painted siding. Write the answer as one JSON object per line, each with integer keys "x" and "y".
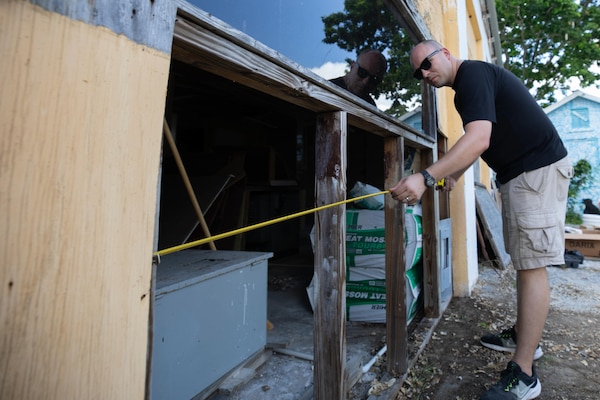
{"x": 446, "y": 26}
{"x": 80, "y": 116}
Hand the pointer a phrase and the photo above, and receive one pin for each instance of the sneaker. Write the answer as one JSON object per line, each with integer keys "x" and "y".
{"x": 506, "y": 341}
{"x": 514, "y": 385}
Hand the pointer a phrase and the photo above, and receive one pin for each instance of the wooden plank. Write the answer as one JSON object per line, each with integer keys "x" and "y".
{"x": 491, "y": 220}
{"x": 407, "y": 14}
{"x": 330, "y": 258}
{"x": 397, "y": 334}
{"x": 444, "y": 197}
{"x": 588, "y": 244}
{"x": 353, "y": 371}
{"x": 431, "y": 264}
{"x": 187, "y": 183}
{"x": 81, "y": 144}
{"x": 432, "y": 303}
{"x": 481, "y": 242}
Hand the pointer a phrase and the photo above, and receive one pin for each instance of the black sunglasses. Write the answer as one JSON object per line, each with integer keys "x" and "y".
{"x": 363, "y": 73}
{"x": 425, "y": 65}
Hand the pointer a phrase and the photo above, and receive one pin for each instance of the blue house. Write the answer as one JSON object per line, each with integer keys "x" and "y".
{"x": 413, "y": 119}
{"x": 577, "y": 119}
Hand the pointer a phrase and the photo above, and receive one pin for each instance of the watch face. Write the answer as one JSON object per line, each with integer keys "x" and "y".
{"x": 429, "y": 181}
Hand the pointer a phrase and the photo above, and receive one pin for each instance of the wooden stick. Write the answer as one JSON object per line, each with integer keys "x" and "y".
{"x": 186, "y": 181}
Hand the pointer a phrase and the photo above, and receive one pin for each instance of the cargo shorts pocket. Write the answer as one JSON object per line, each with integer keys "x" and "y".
{"x": 539, "y": 234}
{"x": 564, "y": 176}
{"x": 567, "y": 172}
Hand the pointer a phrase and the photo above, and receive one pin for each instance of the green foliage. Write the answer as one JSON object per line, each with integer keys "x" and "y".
{"x": 547, "y": 42}
{"x": 573, "y": 217}
{"x": 367, "y": 24}
{"x": 582, "y": 178}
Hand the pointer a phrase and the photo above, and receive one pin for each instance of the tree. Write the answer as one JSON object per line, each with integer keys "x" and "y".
{"x": 582, "y": 178}
{"x": 367, "y": 24}
{"x": 547, "y": 42}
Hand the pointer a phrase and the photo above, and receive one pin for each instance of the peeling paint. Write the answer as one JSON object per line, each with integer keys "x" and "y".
{"x": 147, "y": 22}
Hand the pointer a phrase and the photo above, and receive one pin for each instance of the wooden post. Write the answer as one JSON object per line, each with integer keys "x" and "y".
{"x": 330, "y": 258}
{"x": 431, "y": 211}
{"x": 186, "y": 182}
{"x": 395, "y": 272}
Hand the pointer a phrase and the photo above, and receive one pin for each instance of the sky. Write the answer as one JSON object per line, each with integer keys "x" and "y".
{"x": 292, "y": 27}
{"x": 574, "y": 84}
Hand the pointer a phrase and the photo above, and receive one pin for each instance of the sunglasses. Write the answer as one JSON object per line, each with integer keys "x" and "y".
{"x": 363, "y": 73}
{"x": 425, "y": 65}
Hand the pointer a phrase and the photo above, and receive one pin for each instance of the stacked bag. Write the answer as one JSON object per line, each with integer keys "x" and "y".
{"x": 365, "y": 258}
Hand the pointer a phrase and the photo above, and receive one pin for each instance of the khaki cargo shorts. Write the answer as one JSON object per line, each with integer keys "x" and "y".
{"x": 533, "y": 215}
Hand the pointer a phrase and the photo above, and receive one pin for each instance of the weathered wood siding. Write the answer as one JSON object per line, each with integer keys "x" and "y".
{"x": 330, "y": 258}
{"x": 81, "y": 112}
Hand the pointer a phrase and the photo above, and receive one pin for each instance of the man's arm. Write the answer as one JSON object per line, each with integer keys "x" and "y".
{"x": 459, "y": 158}
{"x": 465, "y": 152}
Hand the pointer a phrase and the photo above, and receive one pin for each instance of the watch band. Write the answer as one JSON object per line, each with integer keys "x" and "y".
{"x": 429, "y": 180}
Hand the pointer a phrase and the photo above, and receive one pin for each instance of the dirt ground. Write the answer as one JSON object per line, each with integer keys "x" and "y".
{"x": 454, "y": 366}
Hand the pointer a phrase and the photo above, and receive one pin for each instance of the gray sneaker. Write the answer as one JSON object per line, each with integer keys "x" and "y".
{"x": 506, "y": 341}
{"x": 514, "y": 384}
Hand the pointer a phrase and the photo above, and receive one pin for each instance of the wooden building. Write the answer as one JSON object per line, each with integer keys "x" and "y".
{"x": 577, "y": 118}
{"x": 86, "y": 90}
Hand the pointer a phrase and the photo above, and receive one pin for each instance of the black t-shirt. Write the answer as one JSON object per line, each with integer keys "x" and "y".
{"x": 523, "y": 137}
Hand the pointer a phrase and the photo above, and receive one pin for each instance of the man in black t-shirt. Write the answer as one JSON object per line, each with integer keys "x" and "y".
{"x": 365, "y": 74}
{"x": 504, "y": 126}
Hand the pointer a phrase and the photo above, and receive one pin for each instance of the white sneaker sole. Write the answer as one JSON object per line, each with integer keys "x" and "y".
{"x": 534, "y": 392}
{"x": 536, "y": 356}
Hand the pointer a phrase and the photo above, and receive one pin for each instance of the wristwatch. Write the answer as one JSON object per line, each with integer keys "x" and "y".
{"x": 429, "y": 180}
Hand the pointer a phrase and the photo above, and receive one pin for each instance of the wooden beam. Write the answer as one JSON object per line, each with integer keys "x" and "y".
{"x": 397, "y": 334}
{"x": 407, "y": 14}
{"x": 186, "y": 182}
{"x": 330, "y": 258}
{"x": 431, "y": 211}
